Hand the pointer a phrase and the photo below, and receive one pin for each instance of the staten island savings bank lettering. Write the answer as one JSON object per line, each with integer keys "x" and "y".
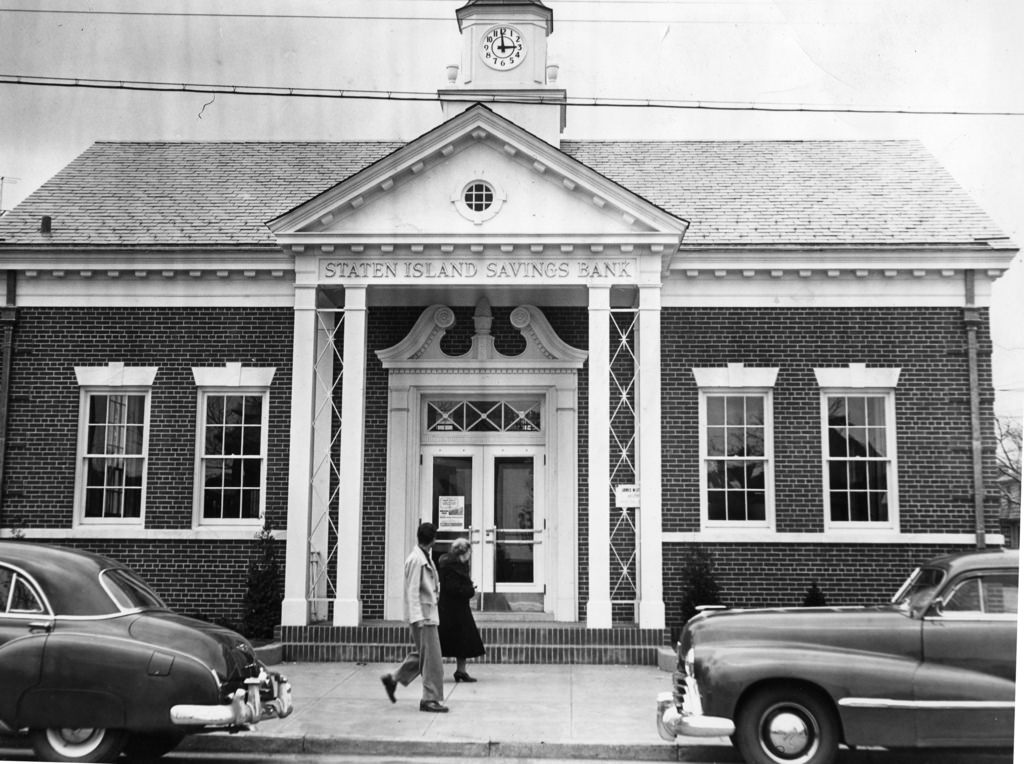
{"x": 498, "y": 270}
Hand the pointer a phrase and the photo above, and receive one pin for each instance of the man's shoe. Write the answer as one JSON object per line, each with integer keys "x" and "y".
{"x": 389, "y": 686}
{"x": 433, "y": 706}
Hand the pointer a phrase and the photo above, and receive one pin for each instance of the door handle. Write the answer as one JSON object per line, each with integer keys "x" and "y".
{"x": 36, "y": 627}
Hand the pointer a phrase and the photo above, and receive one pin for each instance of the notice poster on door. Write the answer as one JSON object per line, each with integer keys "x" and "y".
{"x": 451, "y": 513}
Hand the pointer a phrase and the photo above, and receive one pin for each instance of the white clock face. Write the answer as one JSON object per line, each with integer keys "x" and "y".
{"x": 502, "y": 47}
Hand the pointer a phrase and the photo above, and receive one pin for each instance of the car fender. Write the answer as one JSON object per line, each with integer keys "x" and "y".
{"x": 21, "y": 662}
{"x": 726, "y": 672}
{"x": 113, "y": 682}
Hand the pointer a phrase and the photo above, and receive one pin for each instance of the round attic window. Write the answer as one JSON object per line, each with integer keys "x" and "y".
{"x": 478, "y": 200}
{"x": 478, "y": 196}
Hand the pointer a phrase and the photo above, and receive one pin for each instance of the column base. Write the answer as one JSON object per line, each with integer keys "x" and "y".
{"x": 347, "y": 612}
{"x": 294, "y": 612}
{"x": 652, "y": 614}
{"x": 599, "y": 614}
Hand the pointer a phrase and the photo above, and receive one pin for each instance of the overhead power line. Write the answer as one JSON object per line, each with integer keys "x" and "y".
{"x": 383, "y": 17}
{"x": 399, "y": 95}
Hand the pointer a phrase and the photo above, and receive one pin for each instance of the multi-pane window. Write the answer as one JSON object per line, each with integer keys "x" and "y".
{"x": 483, "y": 416}
{"x": 233, "y": 456}
{"x": 478, "y": 196}
{"x": 114, "y": 456}
{"x": 736, "y": 457}
{"x": 858, "y": 458}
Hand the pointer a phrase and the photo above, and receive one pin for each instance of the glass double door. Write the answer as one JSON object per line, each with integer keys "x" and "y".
{"x": 493, "y": 496}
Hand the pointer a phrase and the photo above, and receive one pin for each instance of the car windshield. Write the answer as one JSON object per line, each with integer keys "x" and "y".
{"x": 918, "y": 590}
{"x": 129, "y": 591}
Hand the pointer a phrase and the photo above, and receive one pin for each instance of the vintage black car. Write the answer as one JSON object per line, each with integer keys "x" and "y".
{"x": 93, "y": 663}
{"x": 935, "y": 667}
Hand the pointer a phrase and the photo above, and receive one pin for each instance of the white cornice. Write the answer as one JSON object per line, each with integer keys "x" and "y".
{"x": 144, "y": 260}
{"x": 711, "y": 261}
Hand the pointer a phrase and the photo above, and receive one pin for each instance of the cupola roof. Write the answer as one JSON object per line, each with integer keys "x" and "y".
{"x": 532, "y": 5}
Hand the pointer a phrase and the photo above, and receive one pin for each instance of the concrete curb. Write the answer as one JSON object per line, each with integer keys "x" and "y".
{"x": 331, "y": 744}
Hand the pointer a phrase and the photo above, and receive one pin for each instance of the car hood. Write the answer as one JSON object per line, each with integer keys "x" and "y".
{"x": 854, "y": 628}
{"x": 225, "y": 651}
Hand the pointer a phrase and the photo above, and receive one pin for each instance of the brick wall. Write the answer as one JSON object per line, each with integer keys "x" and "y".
{"x": 933, "y": 429}
{"x": 779, "y": 575}
{"x": 932, "y": 405}
{"x": 206, "y": 576}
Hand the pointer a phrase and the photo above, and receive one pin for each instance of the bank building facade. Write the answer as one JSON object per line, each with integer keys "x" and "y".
{"x": 593, "y": 359}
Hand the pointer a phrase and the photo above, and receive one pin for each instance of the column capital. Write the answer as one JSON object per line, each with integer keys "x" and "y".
{"x": 355, "y": 298}
{"x": 599, "y": 298}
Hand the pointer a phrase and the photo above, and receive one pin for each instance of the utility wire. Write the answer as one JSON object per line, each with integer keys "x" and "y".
{"x": 543, "y": 98}
{"x": 364, "y": 17}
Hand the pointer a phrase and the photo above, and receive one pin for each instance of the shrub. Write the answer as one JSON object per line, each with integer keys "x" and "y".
{"x": 814, "y": 597}
{"x": 699, "y": 584}
{"x": 262, "y": 608}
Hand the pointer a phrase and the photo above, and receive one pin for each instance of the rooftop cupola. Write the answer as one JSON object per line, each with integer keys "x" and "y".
{"x": 505, "y": 65}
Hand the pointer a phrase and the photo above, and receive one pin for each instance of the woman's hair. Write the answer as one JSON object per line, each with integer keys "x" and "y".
{"x": 460, "y": 546}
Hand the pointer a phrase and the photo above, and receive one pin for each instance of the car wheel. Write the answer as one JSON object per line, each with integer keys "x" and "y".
{"x": 787, "y": 726}
{"x": 143, "y": 748}
{"x": 83, "y": 744}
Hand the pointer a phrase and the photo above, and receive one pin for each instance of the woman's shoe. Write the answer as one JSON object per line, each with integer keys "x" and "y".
{"x": 462, "y": 676}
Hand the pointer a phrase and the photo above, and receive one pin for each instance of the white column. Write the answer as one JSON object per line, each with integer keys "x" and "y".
{"x": 294, "y": 608}
{"x": 599, "y": 605}
{"x": 347, "y": 607}
{"x": 648, "y": 396}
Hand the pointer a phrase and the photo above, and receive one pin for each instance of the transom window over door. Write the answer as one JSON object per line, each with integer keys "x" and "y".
{"x": 481, "y": 415}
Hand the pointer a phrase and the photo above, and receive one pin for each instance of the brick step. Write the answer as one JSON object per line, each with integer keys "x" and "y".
{"x": 512, "y": 642}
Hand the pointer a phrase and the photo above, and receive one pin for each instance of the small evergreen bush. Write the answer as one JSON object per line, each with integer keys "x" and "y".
{"x": 262, "y": 608}
{"x": 814, "y": 597}
{"x": 699, "y": 584}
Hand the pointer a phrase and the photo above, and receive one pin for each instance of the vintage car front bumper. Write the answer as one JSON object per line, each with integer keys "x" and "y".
{"x": 690, "y": 721}
{"x": 245, "y": 707}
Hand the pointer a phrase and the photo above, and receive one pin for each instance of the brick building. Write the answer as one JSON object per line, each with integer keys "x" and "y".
{"x": 590, "y": 357}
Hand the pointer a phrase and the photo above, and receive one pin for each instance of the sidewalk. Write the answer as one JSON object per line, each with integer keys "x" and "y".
{"x": 513, "y": 711}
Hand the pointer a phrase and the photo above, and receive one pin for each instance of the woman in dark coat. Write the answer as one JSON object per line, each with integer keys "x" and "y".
{"x": 459, "y": 636}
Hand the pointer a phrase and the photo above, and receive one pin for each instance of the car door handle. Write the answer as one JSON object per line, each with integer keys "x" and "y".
{"x": 35, "y": 627}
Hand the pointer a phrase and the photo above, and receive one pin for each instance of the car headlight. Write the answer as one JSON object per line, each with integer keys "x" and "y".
{"x": 688, "y": 661}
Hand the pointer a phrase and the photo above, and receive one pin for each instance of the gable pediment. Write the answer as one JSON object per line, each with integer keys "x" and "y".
{"x": 420, "y": 189}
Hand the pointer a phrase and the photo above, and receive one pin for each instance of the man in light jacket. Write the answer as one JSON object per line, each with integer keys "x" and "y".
{"x": 421, "y": 589}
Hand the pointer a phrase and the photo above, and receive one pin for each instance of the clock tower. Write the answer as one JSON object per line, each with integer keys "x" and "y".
{"x": 505, "y": 66}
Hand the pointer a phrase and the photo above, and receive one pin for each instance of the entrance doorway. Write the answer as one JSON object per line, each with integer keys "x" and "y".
{"x": 492, "y": 495}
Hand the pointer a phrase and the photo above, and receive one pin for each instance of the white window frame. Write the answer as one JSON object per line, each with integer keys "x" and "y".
{"x": 113, "y": 379}
{"x": 859, "y": 381}
{"x": 738, "y": 380}
{"x": 231, "y": 380}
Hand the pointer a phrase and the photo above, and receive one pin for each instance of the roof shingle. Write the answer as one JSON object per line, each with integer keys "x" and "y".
{"x": 770, "y": 193}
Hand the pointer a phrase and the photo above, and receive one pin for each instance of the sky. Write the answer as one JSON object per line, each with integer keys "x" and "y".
{"x": 925, "y": 55}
